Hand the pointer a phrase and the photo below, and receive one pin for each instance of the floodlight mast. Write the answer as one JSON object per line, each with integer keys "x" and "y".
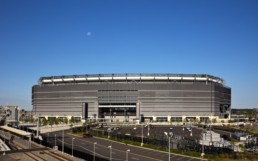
{"x": 169, "y": 136}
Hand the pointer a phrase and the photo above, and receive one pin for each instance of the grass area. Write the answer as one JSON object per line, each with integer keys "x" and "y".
{"x": 242, "y": 129}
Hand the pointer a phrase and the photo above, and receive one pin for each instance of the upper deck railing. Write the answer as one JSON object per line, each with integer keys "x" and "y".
{"x": 129, "y": 77}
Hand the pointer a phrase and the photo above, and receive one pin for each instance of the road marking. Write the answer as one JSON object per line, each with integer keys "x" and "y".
{"x": 78, "y": 138}
{"x": 179, "y": 158}
{"x": 134, "y": 158}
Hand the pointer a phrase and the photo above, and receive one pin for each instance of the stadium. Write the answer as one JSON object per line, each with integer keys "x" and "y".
{"x": 123, "y": 97}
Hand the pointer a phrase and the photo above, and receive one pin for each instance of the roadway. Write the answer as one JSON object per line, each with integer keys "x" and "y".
{"x": 102, "y": 150}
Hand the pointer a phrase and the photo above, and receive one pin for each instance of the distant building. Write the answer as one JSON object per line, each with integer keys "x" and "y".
{"x": 9, "y": 114}
{"x": 152, "y": 97}
{"x": 212, "y": 138}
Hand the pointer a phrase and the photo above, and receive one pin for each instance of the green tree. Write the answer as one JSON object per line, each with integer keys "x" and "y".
{"x": 60, "y": 120}
{"x": 27, "y": 119}
{"x": 177, "y": 120}
{"x": 65, "y": 120}
{"x": 51, "y": 121}
{"x": 43, "y": 121}
{"x": 214, "y": 120}
{"x": 72, "y": 120}
{"x": 56, "y": 121}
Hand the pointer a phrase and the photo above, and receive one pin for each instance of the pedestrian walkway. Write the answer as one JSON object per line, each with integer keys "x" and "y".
{"x": 47, "y": 129}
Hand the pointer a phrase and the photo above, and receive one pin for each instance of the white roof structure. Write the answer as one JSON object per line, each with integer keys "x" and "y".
{"x": 130, "y": 77}
{"x": 16, "y": 131}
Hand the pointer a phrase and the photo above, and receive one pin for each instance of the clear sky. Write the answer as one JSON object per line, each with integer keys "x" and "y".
{"x": 67, "y": 37}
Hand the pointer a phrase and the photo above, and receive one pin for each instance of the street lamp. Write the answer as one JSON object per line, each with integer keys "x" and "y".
{"x": 9, "y": 137}
{"x": 94, "y": 147}
{"x": 202, "y": 155}
{"x": 127, "y": 151}
{"x": 47, "y": 137}
{"x": 125, "y": 114}
{"x": 110, "y": 155}
{"x": 110, "y": 115}
{"x": 72, "y": 146}
{"x": 148, "y": 125}
{"x": 55, "y": 139}
{"x": 63, "y": 137}
{"x": 142, "y": 136}
{"x": 170, "y": 135}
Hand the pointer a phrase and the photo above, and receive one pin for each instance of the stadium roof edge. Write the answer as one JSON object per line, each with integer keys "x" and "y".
{"x": 129, "y": 76}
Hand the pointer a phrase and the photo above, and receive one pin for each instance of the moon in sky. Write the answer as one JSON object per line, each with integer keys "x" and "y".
{"x": 88, "y": 33}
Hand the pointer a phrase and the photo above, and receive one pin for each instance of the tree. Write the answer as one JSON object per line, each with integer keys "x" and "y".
{"x": 22, "y": 115}
{"x": 72, "y": 120}
{"x": 57, "y": 121}
{"x": 44, "y": 121}
{"x": 65, "y": 120}
{"x": 51, "y": 121}
{"x": 214, "y": 120}
{"x": 60, "y": 120}
{"x": 177, "y": 120}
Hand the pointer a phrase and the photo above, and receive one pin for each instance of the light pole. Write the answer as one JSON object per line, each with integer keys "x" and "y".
{"x": 169, "y": 136}
{"x": 202, "y": 155}
{"x": 30, "y": 141}
{"x": 148, "y": 129}
{"x": 38, "y": 122}
{"x": 127, "y": 151}
{"x": 9, "y": 137}
{"x": 94, "y": 148}
{"x": 47, "y": 137}
{"x": 55, "y": 139}
{"x": 110, "y": 115}
{"x": 110, "y": 155}
{"x": 63, "y": 139}
{"x": 72, "y": 146}
{"x": 124, "y": 114}
{"x": 142, "y": 136}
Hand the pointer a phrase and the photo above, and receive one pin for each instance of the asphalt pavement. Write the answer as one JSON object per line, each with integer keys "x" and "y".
{"x": 110, "y": 150}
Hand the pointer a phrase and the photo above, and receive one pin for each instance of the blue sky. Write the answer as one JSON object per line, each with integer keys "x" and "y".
{"x": 65, "y": 37}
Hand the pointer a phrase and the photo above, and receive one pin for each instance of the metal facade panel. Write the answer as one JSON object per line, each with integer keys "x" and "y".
{"x": 154, "y": 98}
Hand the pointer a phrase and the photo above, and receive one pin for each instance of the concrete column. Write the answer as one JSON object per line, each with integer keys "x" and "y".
{"x": 137, "y": 110}
{"x": 198, "y": 118}
{"x": 169, "y": 117}
{"x": 183, "y": 118}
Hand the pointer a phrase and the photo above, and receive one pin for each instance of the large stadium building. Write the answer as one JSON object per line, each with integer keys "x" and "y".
{"x": 147, "y": 97}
